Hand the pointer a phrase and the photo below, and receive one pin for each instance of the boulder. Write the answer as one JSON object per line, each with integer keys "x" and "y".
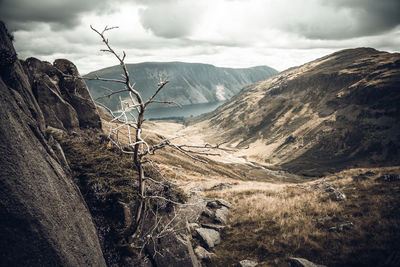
{"x": 300, "y": 262}
{"x": 247, "y": 263}
{"x": 209, "y": 237}
{"x": 341, "y": 226}
{"x": 216, "y": 227}
{"x": 208, "y": 213}
{"x": 202, "y": 254}
{"x": 223, "y": 202}
{"x": 221, "y": 215}
{"x": 173, "y": 250}
{"x": 44, "y": 220}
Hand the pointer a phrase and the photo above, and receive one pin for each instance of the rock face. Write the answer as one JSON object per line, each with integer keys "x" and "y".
{"x": 43, "y": 218}
{"x": 336, "y": 112}
{"x": 68, "y": 96}
{"x": 190, "y": 83}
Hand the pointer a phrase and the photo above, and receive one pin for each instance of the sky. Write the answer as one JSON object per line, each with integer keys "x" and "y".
{"x": 225, "y": 33}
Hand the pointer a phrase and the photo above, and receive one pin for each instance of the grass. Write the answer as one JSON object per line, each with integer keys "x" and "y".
{"x": 271, "y": 224}
{"x": 274, "y": 218}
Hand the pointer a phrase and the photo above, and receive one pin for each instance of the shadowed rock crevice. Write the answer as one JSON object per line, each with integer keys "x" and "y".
{"x": 44, "y": 220}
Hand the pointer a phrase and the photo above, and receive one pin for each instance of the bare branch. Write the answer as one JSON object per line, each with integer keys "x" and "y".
{"x": 113, "y": 93}
{"x": 161, "y": 84}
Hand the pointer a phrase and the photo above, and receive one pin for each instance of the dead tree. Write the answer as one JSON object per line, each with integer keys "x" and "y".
{"x": 137, "y": 146}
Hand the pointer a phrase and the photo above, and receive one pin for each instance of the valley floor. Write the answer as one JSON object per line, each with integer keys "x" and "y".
{"x": 350, "y": 218}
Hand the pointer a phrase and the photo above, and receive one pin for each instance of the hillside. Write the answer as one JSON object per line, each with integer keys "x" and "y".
{"x": 190, "y": 83}
{"x": 338, "y": 111}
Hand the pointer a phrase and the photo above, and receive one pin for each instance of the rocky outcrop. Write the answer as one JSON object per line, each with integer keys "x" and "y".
{"x": 64, "y": 100}
{"x": 336, "y": 112}
{"x": 44, "y": 220}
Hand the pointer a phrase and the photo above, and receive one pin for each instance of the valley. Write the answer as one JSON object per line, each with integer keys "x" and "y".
{"x": 348, "y": 217}
{"x": 298, "y": 169}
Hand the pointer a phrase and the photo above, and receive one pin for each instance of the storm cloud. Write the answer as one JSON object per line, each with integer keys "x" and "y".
{"x": 343, "y": 19}
{"x": 231, "y": 33}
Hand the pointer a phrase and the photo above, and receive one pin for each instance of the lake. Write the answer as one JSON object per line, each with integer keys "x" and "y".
{"x": 185, "y": 111}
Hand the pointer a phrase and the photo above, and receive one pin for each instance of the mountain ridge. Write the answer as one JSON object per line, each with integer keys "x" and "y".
{"x": 190, "y": 83}
{"x": 334, "y": 112}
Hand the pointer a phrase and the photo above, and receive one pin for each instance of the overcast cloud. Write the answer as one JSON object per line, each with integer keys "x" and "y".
{"x": 231, "y": 33}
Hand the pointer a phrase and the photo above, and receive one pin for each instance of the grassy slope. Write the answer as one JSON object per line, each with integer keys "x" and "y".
{"x": 273, "y": 223}
{"x": 273, "y": 218}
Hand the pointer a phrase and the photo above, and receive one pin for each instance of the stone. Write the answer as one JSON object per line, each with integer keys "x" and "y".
{"x": 72, "y": 106}
{"x": 209, "y": 237}
{"x": 213, "y": 204}
{"x": 341, "y": 226}
{"x": 192, "y": 226}
{"x": 44, "y": 219}
{"x": 247, "y": 263}
{"x": 300, "y": 262}
{"x": 57, "y": 133}
{"x": 173, "y": 250}
{"x": 221, "y": 215}
{"x": 203, "y": 254}
{"x": 208, "y": 213}
{"x": 223, "y": 202}
{"x": 216, "y": 227}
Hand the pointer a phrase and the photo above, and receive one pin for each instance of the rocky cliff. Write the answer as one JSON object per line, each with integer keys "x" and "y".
{"x": 338, "y": 111}
{"x": 44, "y": 220}
{"x": 190, "y": 83}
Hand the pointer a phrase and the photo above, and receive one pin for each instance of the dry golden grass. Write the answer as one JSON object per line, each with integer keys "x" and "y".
{"x": 274, "y": 222}
{"x": 273, "y": 218}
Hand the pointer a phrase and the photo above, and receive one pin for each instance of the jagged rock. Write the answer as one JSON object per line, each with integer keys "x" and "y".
{"x": 300, "y": 262}
{"x": 72, "y": 107}
{"x": 60, "y": 114}
{"x": 216, "y": 227}
{"x": 208, "y": 213}
{"x": 223, "y": 202}
{"x": 216, "y": 203}
{"x": 44, "y": 220}
{"x": 247, "y": 263}
{"x": 340, "y": 226}
{"x": 388, "y": 178}
{"x": 210, "y": 237}
{"x": 173, "y": 250}
{"x": 57, "y": 133}
{"x": 213, "y": 204}
{"x": 202, "y": 254}
{"x": 192, "y": 226}
{"x": 221, "y": 215}
{"x": 78, "y": 94}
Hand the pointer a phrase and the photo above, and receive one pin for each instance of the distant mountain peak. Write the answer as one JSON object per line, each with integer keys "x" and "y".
{"x": 190, "y": 83}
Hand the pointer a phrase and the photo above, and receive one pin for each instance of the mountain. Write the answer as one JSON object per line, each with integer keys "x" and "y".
{"x": 338, "y": 111}
{"x": 190, "y": 83}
